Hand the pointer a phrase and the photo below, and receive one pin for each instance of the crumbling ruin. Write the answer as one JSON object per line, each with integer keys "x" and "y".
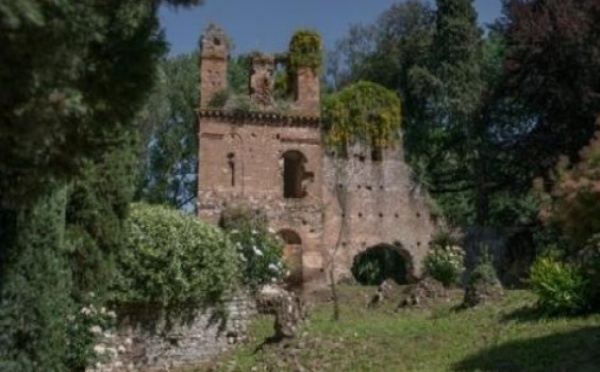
{"x": 276, "y": 161}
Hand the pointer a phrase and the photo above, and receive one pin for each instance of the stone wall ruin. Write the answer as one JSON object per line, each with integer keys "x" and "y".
{"x": 334, "y": 208}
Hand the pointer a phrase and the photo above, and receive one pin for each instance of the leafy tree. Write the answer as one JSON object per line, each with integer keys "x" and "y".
{"x": 169, "y": 174}
{"x": 455, "y": 75}
{"x": 573, "y": 201}
{"x": 169, "y": 145}
{"x": 65, "y": 110}
{"x": 552, "y": 68}
{"x": 98, "y": 205}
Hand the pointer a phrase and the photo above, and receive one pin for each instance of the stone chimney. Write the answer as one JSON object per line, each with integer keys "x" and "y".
{"x": 261, "y": 79}
{"x": 307, "y": 90}
{"x": 214, "y": 52}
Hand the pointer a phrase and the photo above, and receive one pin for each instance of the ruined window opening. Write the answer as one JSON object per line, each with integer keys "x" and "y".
{"x": 376, "y": 154}
{"x": 231, "y": 162}
{"x": 294, "y": 175}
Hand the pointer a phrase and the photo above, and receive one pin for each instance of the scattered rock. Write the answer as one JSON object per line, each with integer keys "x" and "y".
{"x": 423, "y": 293}
{"x": 289, "y": 309}
{"x": 481, "y": 293}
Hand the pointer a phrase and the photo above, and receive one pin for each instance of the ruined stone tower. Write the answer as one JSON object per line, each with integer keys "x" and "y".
{"x": 275, "y": 161}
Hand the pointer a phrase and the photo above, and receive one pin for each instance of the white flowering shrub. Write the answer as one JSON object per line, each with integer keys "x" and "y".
{"x": 174, "y": 260}
{"x": 87, "y": 326}
{"x": 445, "y": 263}
{"x": 260, "y": 255}
{"x": 258, "y": 249}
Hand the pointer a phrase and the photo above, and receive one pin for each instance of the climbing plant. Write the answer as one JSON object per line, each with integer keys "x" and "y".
{"x": 363, "y": 112}
{"x": 305, "y": 50}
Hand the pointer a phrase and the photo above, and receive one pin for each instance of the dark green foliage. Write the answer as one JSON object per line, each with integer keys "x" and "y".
{"x": 219, "y": 99}
{"x": 173, "y": 260}
{"x": 377, "y": 264}
{"x": 35, "y": 286}
{"x": 74, "y": 76}
{"x": 484, "y": 273}
{"x": 554, "y": 71}
{"x": 62, "y": 102}
{"x": 589, "y": 260}
{"x": 85, "y": 329}
{"x": 98, "y": 204}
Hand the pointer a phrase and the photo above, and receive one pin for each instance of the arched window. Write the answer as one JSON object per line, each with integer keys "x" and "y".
{"x": 290, "y": 237}
{"x": 293, "y": 174}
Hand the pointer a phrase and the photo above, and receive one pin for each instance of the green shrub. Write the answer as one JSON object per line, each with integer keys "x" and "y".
{"x": 445, "y": 263}
{"x": 86, "y": 328}
{"x": 377, "y": 264}
{"x": 260, "y": 254}
{"x": 589, "y": 260}
{"x": 259, "y": 251}
{"x": 219, "y": 99}
{"x": 561, "y": 287}
{"x": 174, "y": 260}
{"x": 484, "y": 272}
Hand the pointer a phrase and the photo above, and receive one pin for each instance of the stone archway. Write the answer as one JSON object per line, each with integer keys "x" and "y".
{"x": 292, "y": 256}
{"x": 383, "y": 261}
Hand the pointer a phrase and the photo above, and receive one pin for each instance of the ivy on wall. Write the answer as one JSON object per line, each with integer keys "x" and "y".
{"x": 305, "y": 51}
{"x": 363, "y": 112}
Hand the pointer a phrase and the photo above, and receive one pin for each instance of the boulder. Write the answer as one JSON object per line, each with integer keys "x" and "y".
{"x": 423, "y": 293}
{"x": 289, "y": 309}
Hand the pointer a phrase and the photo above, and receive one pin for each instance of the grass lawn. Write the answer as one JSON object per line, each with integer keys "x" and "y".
{"x": 505, "y": 336}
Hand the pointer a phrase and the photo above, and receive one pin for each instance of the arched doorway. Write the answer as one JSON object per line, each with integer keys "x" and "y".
{"x": 292, "y": 255}
{"x": 380, "y": 262}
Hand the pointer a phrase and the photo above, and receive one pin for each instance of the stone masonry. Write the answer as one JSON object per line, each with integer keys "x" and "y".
{"x": 143, "y": 343}
{"x": 323, "y": 207}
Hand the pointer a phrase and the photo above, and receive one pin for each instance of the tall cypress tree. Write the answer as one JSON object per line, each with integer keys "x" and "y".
{"x": 66, "y": 111}
{"x": 455, "y": 73}
{"x": 35, "y": 284}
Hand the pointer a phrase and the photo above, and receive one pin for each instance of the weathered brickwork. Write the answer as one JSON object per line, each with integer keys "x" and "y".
{"x": 142, "y": 343}
{"x": 276, "y": 162}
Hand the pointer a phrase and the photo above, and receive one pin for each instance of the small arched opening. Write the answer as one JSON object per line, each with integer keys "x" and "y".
{"x": 381, "y": 262}
{"x": 292, "y": 256}
{"x": 293, "y": 174}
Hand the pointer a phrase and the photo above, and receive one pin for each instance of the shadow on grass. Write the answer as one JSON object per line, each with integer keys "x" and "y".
{"x": 571, "y": 351}
{"x": 534, "y": 314}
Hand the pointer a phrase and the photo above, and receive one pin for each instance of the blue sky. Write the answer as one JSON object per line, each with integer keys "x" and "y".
{"x": 268, "y": 25}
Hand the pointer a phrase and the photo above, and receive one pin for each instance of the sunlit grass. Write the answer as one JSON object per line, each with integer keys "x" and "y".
{"x": 505, "y": 336}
